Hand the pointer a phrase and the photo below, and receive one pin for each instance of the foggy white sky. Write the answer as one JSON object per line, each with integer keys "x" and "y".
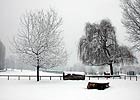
{"x": 75, "y": 14}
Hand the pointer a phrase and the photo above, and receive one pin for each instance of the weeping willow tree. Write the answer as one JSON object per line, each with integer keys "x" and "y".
{"x": 99, "y": 45}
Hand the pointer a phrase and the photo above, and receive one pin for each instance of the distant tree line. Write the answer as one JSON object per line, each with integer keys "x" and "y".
{"x": 2, "y": 56}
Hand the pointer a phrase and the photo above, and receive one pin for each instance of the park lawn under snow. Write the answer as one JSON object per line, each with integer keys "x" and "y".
{"x": 26, "y": 72}
{"x": 56, "y": 89}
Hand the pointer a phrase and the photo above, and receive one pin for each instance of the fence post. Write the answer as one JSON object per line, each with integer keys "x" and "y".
{"x": 136, "y": 78}
{"x": 29, "y": 78}
{"x": 113, "y": 77}
{"x": 18, "y": 77}
{"x": 125, "y": 77}
{"x": 50, "y": 77}
{"x": 130, "y": 77}
{"x": 89, "y": 77}
{"x": 60, "y": 77}
{"x": 8, "y": 77}
{"x": 40, "y": 77}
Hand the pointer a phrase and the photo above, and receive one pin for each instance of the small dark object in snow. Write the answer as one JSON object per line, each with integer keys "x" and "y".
{"x": 96, "y": 85}
{"x": 131, "y": 73}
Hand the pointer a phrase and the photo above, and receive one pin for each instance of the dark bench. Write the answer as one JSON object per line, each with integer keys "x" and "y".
{"x": 73, "y": 76}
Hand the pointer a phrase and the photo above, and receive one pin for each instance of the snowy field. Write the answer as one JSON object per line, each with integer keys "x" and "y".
{"x": 26, "y": 72}
{"x": 56, "y": 89}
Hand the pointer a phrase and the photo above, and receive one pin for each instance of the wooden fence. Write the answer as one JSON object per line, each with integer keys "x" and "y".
{"x": 29, "y": 76}
{"x": 113, "y": 76}
{"x": 88, "y": 76}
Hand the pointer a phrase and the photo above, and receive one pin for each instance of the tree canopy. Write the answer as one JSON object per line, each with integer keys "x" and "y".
{"x": 99, "y": 44}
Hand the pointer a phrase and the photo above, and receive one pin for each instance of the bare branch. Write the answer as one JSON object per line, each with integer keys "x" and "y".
{"x": 131, "y": 19}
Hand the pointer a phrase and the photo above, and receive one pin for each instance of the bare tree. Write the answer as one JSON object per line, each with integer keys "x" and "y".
{"x": 131, "y": 20}
{"x": 39, "y": 42}
{"x": 99, "y": 46}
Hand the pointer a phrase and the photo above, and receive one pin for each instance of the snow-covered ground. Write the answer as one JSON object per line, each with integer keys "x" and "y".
{"x": 56, "y": 89}
{"x": 26, "y": 72}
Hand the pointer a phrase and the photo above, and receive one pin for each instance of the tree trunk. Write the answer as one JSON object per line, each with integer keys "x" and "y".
{"x": 37, "y": 68}
{"x": 111, "y": 69}
{"x": 37, "y": 72}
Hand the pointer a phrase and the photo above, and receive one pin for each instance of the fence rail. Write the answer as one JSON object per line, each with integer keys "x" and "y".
{"x": 29, "y": 76}
{"x": 88, "y": 76}
{"x": 103, "y": 76}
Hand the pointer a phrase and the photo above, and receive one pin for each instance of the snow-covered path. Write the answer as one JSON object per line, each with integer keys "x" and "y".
{"x": 67, "y": 90}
